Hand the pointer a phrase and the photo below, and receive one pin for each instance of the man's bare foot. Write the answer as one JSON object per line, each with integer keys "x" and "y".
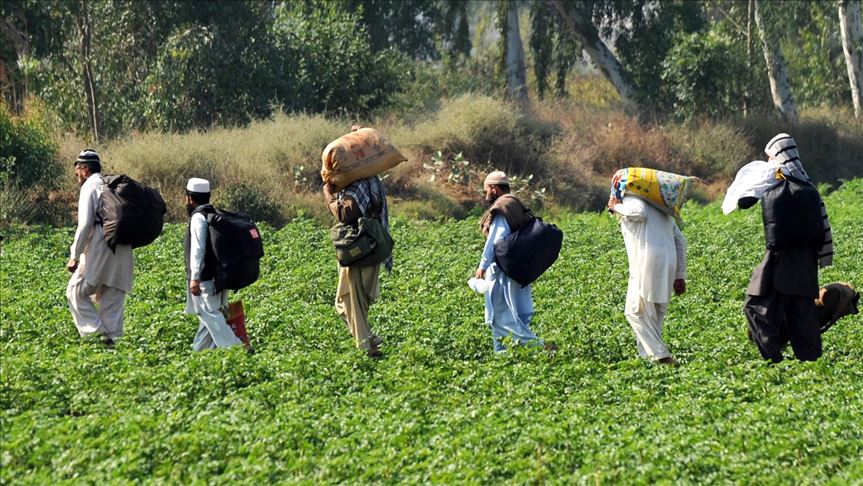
{"x": 669, "y": 361}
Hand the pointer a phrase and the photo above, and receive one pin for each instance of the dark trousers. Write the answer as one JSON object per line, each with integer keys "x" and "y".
{"x": 777, "y": 319}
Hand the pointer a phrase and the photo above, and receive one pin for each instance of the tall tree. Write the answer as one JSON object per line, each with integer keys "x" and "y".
{"x": 541, "y": 44}
{"x": 578, "y": 16}
{"x": 513, "y": 52}
{"x": 852, "y": 45}
{"x": 747, "y": 93}
{"x": 777, "y": 73}
{"x": 90, "y": 92}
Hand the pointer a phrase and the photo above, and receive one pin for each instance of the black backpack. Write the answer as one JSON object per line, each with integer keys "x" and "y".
{"x": 792, "y": 216}
{"x": 131, "y": 213}
{"x": 526, "y": 254}
{"x": 237, "y": 248}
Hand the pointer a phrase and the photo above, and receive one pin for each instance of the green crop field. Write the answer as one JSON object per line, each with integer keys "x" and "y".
{"x": 440, "y": 407}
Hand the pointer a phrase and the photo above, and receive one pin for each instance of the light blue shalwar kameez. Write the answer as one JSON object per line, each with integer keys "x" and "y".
{"x": 508, "y": 305}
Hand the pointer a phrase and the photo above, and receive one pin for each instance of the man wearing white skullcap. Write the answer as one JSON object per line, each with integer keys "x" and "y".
{"x": 508, "y": 305}
{"x": 99, "y": 275}
{"x": 201, "y": 297}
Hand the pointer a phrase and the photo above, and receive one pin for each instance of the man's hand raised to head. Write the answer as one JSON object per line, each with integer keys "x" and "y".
{"x": 612, "y": 201}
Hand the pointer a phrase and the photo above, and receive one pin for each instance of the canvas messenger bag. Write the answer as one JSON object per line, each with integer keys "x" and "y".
{"x": 365, "y": 245}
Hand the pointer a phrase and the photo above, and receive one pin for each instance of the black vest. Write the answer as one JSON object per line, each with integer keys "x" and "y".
{"x": 208, "y": 272}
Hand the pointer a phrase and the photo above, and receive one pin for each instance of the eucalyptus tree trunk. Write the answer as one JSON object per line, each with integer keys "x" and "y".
{"x": 87, "y": 72}
{"x": 747, "y": 90}
{"x": 577, "y": 16}
{"x": 516, "y": 77}
{"x": 780, "y": 87}
{"x": 852, "y": 44}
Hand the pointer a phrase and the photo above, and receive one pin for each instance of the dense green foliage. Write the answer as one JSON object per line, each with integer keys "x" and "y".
{"x": 440, "y": 406}
{"x": 176, "y": 65}
{"x": 27, "y": 152}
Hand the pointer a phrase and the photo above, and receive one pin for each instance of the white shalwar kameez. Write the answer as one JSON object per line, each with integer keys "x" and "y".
{"x": 508, "y": 305}
{"x": 103, "y": 277}
{"x": 213, "y": 330}
{"x": 657, "y": 256}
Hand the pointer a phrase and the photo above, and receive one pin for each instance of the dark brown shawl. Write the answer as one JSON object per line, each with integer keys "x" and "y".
{"x": 511, "y": 208}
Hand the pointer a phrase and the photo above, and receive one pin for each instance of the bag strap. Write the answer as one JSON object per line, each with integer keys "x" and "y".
{"x": 206, "y": 210}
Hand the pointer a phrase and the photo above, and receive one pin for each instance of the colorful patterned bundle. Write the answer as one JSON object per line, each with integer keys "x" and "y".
{"x": 663, "y": 190}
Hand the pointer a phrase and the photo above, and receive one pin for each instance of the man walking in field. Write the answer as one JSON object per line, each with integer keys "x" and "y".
{"x": 359, "y": 287}
{"x": 780, "y": 301}
{"x": 508, "y": 305}
{"x": 99, "y": 275}
{"x": 656, "y": 250}
{"x": 202, "y": 298}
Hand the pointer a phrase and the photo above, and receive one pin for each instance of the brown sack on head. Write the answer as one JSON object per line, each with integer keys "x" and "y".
{"x": 357, "y": 155}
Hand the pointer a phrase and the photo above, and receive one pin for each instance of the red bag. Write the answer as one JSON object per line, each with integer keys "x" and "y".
{"x": 237, "y": 320}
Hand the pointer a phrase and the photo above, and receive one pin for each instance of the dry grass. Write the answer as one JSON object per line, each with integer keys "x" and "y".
{"x": 571, "y": 147}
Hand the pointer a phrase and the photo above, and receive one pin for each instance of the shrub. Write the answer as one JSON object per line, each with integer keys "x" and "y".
{"x": 829, "y": 144}
{"x": 480, "y": 127}
{"x": 709, "y": 149}
{"x": 252, "y": 202}
{"x": 28, "y": 155}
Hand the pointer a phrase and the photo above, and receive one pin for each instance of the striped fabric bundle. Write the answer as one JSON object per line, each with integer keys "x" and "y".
{"x": 783, "y": 149}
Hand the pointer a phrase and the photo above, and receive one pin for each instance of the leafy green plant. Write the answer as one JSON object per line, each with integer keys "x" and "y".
{"x": 28, "y": 155}
{"x": 440, "y": 407}
{"x": 455, "y": 167}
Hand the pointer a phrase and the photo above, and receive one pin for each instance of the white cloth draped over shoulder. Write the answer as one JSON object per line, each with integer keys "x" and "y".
{"x": 100, "y": 265}
{"x": 754, "y": 178}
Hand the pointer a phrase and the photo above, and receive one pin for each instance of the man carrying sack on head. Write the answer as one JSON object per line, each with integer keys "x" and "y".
{"x": 359, "y": 283}
{"x": 202, "y": 298}
{"x": 99, "y": 274}
{"x": 508, "y": 305}
{"x": 656, "y": 250}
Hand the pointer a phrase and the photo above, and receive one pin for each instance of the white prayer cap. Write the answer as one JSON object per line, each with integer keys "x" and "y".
{"x": 196, "y": 184}
{"x": 496, "y": 178}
